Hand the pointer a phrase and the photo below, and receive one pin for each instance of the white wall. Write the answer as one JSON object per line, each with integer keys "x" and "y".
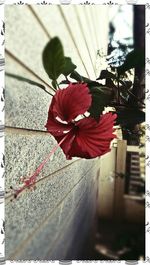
{"x": 53, "y": 221}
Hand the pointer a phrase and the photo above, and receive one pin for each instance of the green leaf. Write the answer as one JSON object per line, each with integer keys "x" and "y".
{"x": 64, "y": 82}
{"x": 126, "y": 84}
{"x": 105, "y": 74}
{"x": 129, "y": 116}
{"x": 124, "y": 93}
{"x": 124, "y": 89}
{"x": 54, "y": 84}
{"x": 53, "y": 58}
{"x": 135, "y": 58}
{"x": 101, "y": 90}
{"x": 75, "y": 75}
{"x": 69, "y": 67}
{"x": 101, "y": 97}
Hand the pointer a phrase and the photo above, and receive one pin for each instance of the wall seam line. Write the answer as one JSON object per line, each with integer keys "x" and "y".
{"x": 24, "y": 131}
{"x": 27, "y": 68}
{"x": 46, "y": 219}
{"x": 69, "y": 30}
{"x": 43, "y": 179}
{"x": 39, "y": 21}
{"x": 82, "y": 31}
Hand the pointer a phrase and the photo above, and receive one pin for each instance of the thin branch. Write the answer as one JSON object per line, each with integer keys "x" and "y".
{"x": 136, "y": 98}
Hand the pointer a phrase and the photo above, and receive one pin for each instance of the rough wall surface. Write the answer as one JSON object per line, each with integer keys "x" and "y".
{"x": 53, "y": 221}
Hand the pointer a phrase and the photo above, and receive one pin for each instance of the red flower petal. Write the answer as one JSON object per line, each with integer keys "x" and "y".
{"x": 85, "y": 138}
{"x": 67, "y": 144}
{"x": 89, "y": 139}
{"x": 55, "y": 127}
{"x": 70, "y": 102}
{"x": 93, "y": 139}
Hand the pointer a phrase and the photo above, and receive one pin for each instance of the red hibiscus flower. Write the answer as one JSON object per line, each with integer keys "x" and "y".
{"x": 86, "y": 137}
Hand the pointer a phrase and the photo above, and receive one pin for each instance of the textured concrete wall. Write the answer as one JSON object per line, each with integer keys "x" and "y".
{"x": 53, "y": 221}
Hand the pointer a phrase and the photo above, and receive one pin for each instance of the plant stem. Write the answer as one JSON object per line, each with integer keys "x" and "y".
{"x": 48, "y": 92}
{"x": 136, "y": 98}
{"x": 118, "y": 87}
{"x": 57, "y": 85}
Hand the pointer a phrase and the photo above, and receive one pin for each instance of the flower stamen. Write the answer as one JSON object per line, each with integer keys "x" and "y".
{"x": 29, "y": 182}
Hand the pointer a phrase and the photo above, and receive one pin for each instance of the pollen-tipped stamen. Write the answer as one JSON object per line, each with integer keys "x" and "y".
{"x": 28, "y": 182}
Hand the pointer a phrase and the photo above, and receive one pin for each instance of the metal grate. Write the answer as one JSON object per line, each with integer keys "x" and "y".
{"x": 134, "y": 184}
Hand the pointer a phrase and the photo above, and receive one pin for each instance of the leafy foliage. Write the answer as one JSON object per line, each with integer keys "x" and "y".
{"x": 69, "y": 67}
{"x": 100, "y": 98}
{"x": 117, "y": 89}
{"x": 127, "y": 117}
{"x": 53, "y": 58}
{"x": 135, "y": 58}
{"x": 54, "y": 61}
{"x": 75, "y": 75}
{"x": 105, "y": 74}
{"x": 101, "y": 95}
